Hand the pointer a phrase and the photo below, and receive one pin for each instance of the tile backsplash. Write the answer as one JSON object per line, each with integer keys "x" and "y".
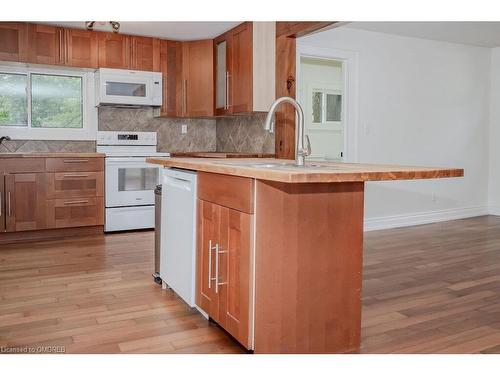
{"x": 242, "y": 133}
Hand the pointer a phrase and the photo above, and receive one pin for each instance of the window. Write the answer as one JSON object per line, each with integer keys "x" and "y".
{"x": 47, "y": 104}
{"x": 326, "y": 106}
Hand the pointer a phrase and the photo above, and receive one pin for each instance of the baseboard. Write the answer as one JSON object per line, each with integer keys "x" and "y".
{"x": 494, "y": 210}
{"x": 398, "y": 221}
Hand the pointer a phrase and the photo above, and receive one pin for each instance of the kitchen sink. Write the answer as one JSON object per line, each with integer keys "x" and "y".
{"x": 280, "y": 166}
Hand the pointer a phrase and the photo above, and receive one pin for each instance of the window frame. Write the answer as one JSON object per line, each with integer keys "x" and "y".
{"x": 87, "y": 132}
{"x": 325, "y": 90}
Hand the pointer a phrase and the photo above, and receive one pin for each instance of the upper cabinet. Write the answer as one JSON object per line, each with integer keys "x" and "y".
{"x": 245, "y": 68}
{"x": 80, "y": 48}
{"x": 145, "y": 53}
{"x": 114, "y": 51}
{"x": 188, "y": 86}
{"x": 45, "y": 44}
{"x": 14, "y": 41}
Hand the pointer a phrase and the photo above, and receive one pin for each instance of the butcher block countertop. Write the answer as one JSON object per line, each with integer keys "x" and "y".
{"x": 51, "y": 155}
{"x": 221, "y": 155}
{"x": 315, "y": 171}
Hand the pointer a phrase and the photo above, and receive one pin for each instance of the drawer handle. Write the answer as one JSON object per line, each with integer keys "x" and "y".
{"x": 76, "y": 161}
{"x": 75, "y": 202}
{"x": 75, "y": 175}
{"x": 9, "y": 204}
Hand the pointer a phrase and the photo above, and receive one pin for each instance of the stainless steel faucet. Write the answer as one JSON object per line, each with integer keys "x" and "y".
{"x": 4, "y": 138}
{"x": 300, "y": 151}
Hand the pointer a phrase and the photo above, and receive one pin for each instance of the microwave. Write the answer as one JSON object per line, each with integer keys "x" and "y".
{"x": 128, "y": 87}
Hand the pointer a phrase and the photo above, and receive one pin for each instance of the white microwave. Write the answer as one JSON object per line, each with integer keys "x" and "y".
{"x": 128, "y": 87}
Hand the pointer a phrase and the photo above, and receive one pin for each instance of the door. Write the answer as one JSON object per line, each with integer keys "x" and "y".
{"x": 234, "y": 273}
{"x": 45, "y": 44}
{"x": 26, "y": 204}
{"x": 171, "y": 68}
{"x": 80, "y": 48}
{"x": 130, "y": 181}
{"x": 14, "y": 41}
{"x": 240, "y": 83}
{"x": 145, "y": 53}
{"x": 114, "y": 51}
{"x": 321, "y": 92}
{"x": 2, "y": 203}
{"x": 197, "y": 58}
{"x": 207, "y": 237}
{"x": 223, "y": 60}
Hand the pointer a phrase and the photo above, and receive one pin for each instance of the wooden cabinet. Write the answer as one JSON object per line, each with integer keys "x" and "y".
{"x": 25, "y": 201}
{"x": 171, "y": 68}
{"x": 145, "y": 53}
{"x": 198, "y": 83}
{"x": 80, "y": 48}
{"x": 114, "y": 51}
{"x": 45, "y": 44}
{"x": 40, "y": 194}
{"x": 187, "y": 68}
{"x": 224, "y": 252}
{"x": 245, "y": 68}
{"x": 13, "y": 41}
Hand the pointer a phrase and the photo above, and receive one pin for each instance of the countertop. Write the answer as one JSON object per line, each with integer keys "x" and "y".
{"x": 314, "y": 171}
{"x": 51, "y": 155}
{"x": 222, "y": 155}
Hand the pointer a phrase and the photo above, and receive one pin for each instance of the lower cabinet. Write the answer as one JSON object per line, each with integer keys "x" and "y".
{"x": 75, "y": 212}
{"x": 224, "y": 271}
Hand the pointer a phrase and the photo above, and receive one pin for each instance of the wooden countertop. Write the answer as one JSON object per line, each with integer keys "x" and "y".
{"x": 318, "y": 171}
{"x": 51, "y": 155}
{"x": 222, "y": 155}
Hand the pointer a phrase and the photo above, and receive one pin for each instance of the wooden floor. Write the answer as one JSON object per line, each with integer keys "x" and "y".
{"x": 427, "y": 289}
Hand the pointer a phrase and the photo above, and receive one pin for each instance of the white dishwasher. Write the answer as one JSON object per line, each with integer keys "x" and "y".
{"x": 178, "y": 232}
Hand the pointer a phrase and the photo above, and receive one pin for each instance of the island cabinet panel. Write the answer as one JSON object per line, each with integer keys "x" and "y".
{"x": 145, "y": 53}
{"x": 80, "y": 48}
{"x": 45, "y": 44}
{"x": 14, "y": 41}
{"x": 26, "y": 203}
{"x": 114, "y": 51}
{"x": 308, "y": 263}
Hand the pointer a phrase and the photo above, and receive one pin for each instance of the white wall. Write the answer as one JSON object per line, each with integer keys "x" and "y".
{"x": 421, "y": 102}
{"x": 494, "y": 135}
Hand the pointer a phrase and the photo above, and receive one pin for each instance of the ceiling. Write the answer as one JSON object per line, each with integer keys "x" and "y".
{"x": 166, "y": 30}
{"x": 482, "y": 34}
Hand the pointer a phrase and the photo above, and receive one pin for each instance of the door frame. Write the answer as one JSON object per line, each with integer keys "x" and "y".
{"x": 349, "y": 61}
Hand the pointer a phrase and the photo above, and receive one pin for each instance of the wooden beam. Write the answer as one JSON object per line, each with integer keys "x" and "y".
{"x": 286, "y": 34}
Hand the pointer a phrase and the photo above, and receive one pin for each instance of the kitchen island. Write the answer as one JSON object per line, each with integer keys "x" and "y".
{"x": 279, "y": 248}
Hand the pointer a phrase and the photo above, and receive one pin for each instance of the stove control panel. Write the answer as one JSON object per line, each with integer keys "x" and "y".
{"x": 124, "y": 138}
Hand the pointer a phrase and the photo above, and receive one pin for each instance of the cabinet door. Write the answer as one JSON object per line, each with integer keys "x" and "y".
{"x": 223, "y": 62}
{"x": 145, "y": 53}
{"x": 171, "y": 68}
{"x": 240, "y": 77}
{"x": 2, "y": 203}
{"x": 234, "y": 273}
{"x": 45, "y": 44}
{"x": 26, "y": 201}
{"x": 14, "y": 41}
{"x": 207, "y": 238}
{"x": 80, "y": 48}
{"x": 198, "y": 81}
{"x": 76, "y": 212}
{"x": 114, "y": 51}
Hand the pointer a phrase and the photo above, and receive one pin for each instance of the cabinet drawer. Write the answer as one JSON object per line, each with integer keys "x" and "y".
{"x": 75, "y": 212}
{"x": 22, "y": 165}
{"x": 229, "y": 191}
{"x": 74, "y": 164}
{"x": 75, "y": 184}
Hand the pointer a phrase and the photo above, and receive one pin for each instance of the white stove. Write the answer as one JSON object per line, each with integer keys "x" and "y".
{"x": 130, "y": 181}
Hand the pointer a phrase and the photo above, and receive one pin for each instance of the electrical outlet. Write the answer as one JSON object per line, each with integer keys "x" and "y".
{"x": 184, "y": 129}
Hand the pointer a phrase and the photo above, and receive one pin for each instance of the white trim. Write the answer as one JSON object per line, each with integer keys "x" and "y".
{"x": 494, "y": 210}
{"x": 350, "y": 71}
{"x": 397, "y": 221}
{"x": 89, "y": 129}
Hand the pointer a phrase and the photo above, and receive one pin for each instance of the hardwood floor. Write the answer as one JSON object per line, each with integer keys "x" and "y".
{"x": 427, "y": 289}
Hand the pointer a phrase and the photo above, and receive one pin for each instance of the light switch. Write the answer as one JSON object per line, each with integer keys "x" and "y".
{"x": 184, "y": 129}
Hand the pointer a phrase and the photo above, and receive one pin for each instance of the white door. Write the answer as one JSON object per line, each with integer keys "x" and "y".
{"x": 321, "y": 92}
